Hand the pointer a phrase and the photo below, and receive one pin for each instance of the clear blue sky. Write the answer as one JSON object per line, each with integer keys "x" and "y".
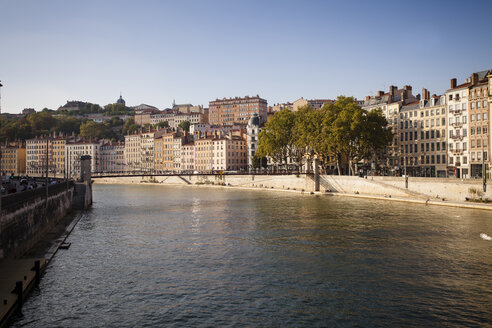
{"x": 196, "y": 51}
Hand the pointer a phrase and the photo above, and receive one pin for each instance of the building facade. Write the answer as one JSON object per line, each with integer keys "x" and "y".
{"x": 252, "y": 136}
{"x": 112, "y": 157}
{"x": 458, "y": 151}
{"x": 13, "y": 160}
{"x": 237, "y": 110}
{"x": 73, "y": 152}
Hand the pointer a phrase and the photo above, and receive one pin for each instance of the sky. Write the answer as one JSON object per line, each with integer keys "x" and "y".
{"x": 154, "y": 52}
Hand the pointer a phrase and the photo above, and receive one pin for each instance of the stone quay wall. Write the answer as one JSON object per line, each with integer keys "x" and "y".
{"x": 418, "y": 188}
{"x": 26, "y": 217}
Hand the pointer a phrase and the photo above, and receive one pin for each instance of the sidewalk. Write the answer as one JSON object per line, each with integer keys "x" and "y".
{"x": 11, "y": 272}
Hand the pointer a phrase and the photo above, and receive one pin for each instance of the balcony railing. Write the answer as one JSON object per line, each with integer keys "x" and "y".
{"x": 456, "y": 111}
{"x": 456, "y": 137}
{"x": 457, "y": 151}
{"x": 457, "y": 124}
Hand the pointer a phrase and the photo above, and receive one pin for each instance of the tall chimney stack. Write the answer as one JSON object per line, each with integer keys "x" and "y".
{"x": 453, "y": 83}
{"x": 425, "y": 94}
{"x": 474, "y": 78}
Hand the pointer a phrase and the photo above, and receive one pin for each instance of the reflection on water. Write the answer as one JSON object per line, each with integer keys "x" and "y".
{"x": 181, "y": 256}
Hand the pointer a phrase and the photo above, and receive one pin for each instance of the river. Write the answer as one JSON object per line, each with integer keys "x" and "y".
{"x": 177, "y": 256}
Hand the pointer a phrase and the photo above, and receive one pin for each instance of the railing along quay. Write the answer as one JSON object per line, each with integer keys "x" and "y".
{"x": 13, "y": 202}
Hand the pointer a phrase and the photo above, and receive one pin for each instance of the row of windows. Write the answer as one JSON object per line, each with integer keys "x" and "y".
{"x": 431, "y": 134}
{"x": 413, "y": 148}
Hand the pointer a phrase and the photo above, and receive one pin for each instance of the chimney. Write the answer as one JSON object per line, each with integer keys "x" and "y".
{"x": 474, "y": 78}
{"x": 380, "y": 93}
{"x": 453, "y": 83}
{"x": 392, "y": 90}
{"x": 407, "y": 87}
{"x": 425, "y": 94}
{"x": 367, "y": 98}
{"x": 428, "y": 95}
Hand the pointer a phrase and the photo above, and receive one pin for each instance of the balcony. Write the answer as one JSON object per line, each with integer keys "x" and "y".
{"x": 456, "y": 111}
{"x": 456, "y": 137}
{"x": 456, "y": 151}
{"x": 457, "y": 124}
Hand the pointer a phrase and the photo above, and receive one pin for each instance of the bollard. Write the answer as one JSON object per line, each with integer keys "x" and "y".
{"x": 18, "y": 291}
{"x": 37, "y": 270}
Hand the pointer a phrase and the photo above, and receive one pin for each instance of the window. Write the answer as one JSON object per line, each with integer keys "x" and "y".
{"x": 450, "y": 133}
{"x": 479, "y": 143}
{"x": 484, "y": 116}
{"x": 464, "y": 146}
{"x": 426, "y": 134}
{"x": 427, "y": 146}
{"x": 479, "y": 117}
{"x": 472, "y": 117}
{"x": 463, "y": 119}
{"x": 465, "y": 132}
{"x": 438, "y": 146}
{"x": 432, "y": 134}
{"x": 473, "y": 156}
{"x": 484, "y": 106}
{"x": 484, "y": 130}
{"x": 478, "y": 104}
{"x": 443, "y": 111}
{"x": 485, "y": 142}
{"x": 438, "y": 159}
{"x": 472, "y": 131}
{"x": 443, "y": 121}
{"x": 472, "y": 106}
{"x": 473, "y": 143}
{"x": 438, "y": 134}
{"x": 465, "y": 160}
{"x": 484, "y": 155}
{"x": 443, "y": 159}
{"x": 478, "y": 130}
{"x": 463, "y": 106}
{"x": 422, "y": 147}
{"x": 432, "y": 146}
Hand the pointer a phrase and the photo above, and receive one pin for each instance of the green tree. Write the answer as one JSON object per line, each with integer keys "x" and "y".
{"x": 275, "y": 139}
{"x": 185, "y": 126}
{"x": 130, "y": 126}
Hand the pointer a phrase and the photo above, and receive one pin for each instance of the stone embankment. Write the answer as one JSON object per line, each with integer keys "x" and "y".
{"x": 452, "y": 192}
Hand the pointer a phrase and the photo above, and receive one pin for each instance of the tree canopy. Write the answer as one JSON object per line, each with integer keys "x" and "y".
{"x": 185, "y": 126}
{"x": 342, "y": 130}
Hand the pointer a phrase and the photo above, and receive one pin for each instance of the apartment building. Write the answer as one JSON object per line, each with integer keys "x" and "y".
{"x": 132, "y": 153}
{"x": 73, "y": 152}
{"x": 422, "y": 136}
{"x": 204, "y": 154}
{"x": 13, "y": 160}
{"x": 457, "y": 115}
{"x": 237, "y": 110}
{"x": 188, "y": 157}
{"x": 391, "y": 103}
{"x": 39, "y": 154}
{"x": 112, "y": 157}
{"x": 479, "y": 123}
{"x": 252, "y": 137}
{"x": 230, "y": 154}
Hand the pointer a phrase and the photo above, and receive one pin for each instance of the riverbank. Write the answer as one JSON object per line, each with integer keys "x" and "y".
{"x": 427, "y": 191}
{"x": 14, "y": 271}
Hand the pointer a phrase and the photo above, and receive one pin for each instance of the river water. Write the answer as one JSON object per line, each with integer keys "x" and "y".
{"x": 155, "y": 256}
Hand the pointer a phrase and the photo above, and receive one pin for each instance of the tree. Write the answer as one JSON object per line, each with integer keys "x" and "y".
{"x": 130, "y": 126}
{"x": 343, "y": 123}
{"x": 308, "y": 133}
{"x": 163, "y": 124}
{"x": 376, "y": 136}
{"x": 275, "y": 139}
{"x": 185, "y": 126}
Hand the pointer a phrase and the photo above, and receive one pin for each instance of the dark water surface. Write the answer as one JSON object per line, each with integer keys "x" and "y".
{"x": 160, "y": 256}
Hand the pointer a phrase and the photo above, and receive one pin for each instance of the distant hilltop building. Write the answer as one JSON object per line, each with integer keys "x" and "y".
{"x": 28, "y": 111}
{"x": 73, "y": 105}
{"x": 121, "y": 101}
{"x": 237, "y": 110}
